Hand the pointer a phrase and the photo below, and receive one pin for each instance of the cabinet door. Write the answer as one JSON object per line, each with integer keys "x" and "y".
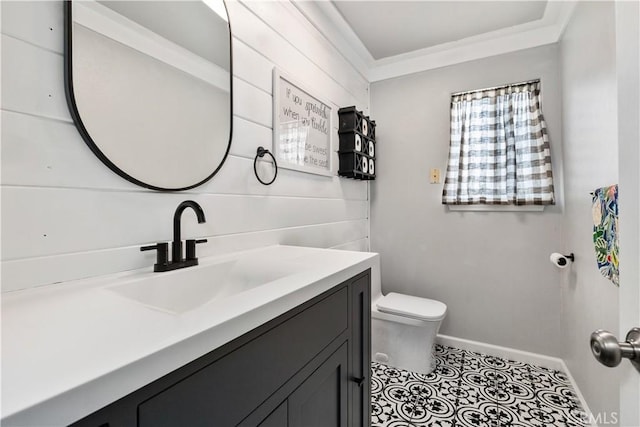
{"x": 322, "y": 399}
{"x": 225, "y": 392}
{"x": 277, "y": 418}
{"x": 360, "y": 352}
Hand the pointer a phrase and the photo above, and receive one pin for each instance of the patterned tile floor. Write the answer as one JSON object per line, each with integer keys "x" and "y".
{"x": 473, "y": 389}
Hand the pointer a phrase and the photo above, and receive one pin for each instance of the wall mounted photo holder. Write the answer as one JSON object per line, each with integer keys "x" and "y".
{"x": 302, "y": 128}
{"x": 357, "y": 151}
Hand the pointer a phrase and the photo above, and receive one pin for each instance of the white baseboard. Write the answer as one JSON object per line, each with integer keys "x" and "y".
{"x": 548, "y": 362}
{"x": 583, "y": 402}
{"x": 505, "y": 352}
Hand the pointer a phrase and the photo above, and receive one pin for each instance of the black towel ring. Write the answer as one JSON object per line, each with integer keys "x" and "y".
{"x": 260, "y": 153}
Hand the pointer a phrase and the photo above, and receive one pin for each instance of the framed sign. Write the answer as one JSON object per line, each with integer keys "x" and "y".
{"x": 302, "y": 128}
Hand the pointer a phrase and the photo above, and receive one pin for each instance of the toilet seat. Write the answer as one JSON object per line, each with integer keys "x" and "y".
{"x": 413, "y": 307}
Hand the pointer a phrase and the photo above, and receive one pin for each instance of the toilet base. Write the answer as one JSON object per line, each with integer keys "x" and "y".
{"x": 404, "y": 346}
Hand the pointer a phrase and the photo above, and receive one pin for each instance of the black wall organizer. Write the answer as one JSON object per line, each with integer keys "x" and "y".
{"x": 357, "y": 150}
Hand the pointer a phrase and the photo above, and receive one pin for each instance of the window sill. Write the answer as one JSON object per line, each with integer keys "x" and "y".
{"x": 495, "y": 208}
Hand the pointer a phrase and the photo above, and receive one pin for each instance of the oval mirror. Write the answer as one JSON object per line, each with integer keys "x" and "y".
{"x": 148, "y": 85}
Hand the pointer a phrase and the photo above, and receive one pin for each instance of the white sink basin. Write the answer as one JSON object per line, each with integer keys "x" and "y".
{"x": 189, "y": 288}
{"x": 70, "y": 349}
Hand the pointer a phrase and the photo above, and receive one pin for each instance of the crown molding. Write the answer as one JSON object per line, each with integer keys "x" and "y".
{"x": 459, "y": 52}
{"x": 327, "y": 19}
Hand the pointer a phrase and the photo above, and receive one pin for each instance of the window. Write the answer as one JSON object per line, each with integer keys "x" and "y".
{"x": 499, "y": 148}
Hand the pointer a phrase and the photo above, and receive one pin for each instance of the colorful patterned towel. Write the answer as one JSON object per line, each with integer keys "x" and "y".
{"x": 605, "y": 231}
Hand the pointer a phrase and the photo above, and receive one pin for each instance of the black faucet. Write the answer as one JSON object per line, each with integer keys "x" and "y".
{"x": 162, "y": 263}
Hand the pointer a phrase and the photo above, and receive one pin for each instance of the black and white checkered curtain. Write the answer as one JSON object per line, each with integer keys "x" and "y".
{"x": 499, "y": 150}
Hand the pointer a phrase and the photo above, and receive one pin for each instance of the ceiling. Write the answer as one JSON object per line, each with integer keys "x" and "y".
{"x": 384, "y": 39}
{"x": 389, "y": 28}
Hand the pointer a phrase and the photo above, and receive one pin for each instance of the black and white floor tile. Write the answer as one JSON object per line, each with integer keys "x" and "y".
{"x": 475, "y": 390}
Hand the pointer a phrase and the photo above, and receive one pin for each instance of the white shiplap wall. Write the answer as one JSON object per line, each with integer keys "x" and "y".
{"x": 66, "y": 216}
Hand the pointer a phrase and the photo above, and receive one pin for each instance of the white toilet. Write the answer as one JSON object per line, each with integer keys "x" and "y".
{"x": 403, "y": 329}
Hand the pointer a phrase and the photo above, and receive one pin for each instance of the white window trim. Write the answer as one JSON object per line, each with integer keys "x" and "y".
{"x": 496, "y": 208}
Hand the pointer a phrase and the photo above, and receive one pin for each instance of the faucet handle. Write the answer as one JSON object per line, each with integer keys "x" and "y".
{"x": 191, "y": 248}
{"x": 163, "y": 253}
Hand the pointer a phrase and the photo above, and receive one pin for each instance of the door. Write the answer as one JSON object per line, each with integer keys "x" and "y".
{"x": 628, "y": 73}
{"x": 627, "y": 15}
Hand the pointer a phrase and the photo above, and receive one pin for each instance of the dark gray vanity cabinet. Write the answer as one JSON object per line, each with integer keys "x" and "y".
{"x": 322, "y": 399}
{"x": 360, "y": 351}
{"x": 308, "y": 367}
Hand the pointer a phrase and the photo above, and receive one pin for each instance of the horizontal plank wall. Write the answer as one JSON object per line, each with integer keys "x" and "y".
{"x": 67, "y": 216}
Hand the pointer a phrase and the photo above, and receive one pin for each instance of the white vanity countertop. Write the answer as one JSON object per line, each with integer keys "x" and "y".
{"x": 70, "y": 349}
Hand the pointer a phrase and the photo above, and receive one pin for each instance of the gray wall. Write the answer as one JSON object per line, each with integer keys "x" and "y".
{"x": 490, "y": 268}
{"x": 589, "y": 128}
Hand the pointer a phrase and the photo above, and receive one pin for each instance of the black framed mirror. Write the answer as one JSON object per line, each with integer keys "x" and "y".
{"x": 149, "y": 87}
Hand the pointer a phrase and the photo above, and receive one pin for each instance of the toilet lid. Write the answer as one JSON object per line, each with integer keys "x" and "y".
{"x": 410, "y": 306}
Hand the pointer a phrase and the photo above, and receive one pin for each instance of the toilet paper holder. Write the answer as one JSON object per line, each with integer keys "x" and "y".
{"x": 560, "y": 260}
{"x": 357, "y": 134}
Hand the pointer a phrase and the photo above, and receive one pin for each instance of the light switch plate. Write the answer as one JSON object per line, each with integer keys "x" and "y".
{"x": 434, "y": 176}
